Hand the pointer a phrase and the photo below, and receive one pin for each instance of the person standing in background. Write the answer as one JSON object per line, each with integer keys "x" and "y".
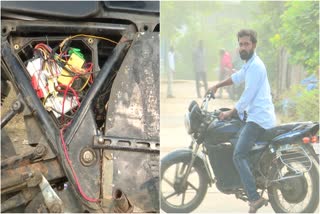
{"x": 199, "y": 68}
{"x": 171, "y": 71}
{"x": 225, "y": 66}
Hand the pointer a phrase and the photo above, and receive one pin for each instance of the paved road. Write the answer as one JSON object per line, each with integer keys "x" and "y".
{"x": 173, "y": 136}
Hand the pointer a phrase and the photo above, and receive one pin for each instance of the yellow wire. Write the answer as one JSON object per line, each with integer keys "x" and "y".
{"x": 86, "y": 83}
{"x": 84, "y": 35}
{"x": 45, "y": 99}
{"x": 44, "y": 53}
{"x": 60, "y": 58}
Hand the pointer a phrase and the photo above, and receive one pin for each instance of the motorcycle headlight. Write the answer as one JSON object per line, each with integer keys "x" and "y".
{"x": 187, "y": 123}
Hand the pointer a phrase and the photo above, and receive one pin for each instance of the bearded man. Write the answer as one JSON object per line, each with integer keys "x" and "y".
{"x": 257, "y": 102}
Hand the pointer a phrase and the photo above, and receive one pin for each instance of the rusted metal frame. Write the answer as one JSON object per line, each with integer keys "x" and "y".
{"x": 16, "y": 179}
{"x": 13, "y": 161}
{"x": 127, "y": 144}
{"x": 121, "y": 202}
{"x": 29, "y": 179}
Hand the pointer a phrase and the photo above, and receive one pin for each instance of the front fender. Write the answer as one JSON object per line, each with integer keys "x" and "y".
{"x": 185, "y": 153}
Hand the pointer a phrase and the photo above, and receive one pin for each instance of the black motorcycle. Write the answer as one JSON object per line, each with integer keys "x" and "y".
{"x": 283, "y": 161}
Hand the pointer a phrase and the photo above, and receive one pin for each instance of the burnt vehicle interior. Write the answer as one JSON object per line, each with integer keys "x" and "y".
{"x": 86, "y": 78}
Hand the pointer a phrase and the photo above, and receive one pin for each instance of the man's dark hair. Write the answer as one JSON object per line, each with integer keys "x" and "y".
{"x": 248, "y": 32}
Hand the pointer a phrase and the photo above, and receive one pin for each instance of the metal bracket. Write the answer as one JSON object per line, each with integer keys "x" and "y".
{"x": 127, "y": 144}
{"x": 51, "y": 199}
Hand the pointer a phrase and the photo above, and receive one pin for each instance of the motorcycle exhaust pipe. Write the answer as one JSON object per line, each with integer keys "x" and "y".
{"x": 121, "y": 202}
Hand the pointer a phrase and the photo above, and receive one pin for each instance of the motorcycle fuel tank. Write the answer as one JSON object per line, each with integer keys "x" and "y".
{"x": 222, "y": 131}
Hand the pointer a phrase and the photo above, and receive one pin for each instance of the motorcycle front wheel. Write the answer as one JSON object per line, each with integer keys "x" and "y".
{"x": 298, "y": 194}
{"x": 179, "y": 198}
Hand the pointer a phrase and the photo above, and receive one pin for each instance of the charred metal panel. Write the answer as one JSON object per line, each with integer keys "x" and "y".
{"x": 133, "y": 112}
{"x": 133, "y": 108}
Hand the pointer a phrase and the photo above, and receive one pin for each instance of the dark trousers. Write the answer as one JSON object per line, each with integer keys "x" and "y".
{"x": 201, "y": 76}
{"x": 247, "y": 139}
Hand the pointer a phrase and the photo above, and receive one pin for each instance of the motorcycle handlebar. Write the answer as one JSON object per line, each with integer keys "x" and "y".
{"x": 206, "y": 100}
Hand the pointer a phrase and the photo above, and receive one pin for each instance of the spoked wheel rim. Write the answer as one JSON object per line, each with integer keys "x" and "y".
{"x": 294, "y": 195}
{"x": 173, "y": 192}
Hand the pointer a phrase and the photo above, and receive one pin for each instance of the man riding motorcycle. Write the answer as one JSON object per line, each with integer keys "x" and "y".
{"x": 256, "y": 99}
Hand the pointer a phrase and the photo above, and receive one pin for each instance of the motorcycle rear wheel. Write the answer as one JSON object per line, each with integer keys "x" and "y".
{"x": 171, "y": 191}
{"x": 302, "y": 192}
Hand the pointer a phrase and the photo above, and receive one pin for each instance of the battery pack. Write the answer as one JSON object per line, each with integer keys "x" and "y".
{"x": 44, "y": 84}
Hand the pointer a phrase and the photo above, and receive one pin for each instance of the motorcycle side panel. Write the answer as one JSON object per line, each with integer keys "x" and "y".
{"x": 223, "y": 168}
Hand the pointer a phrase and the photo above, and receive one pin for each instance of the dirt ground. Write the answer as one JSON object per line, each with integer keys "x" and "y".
{"x": 15, "y": 128}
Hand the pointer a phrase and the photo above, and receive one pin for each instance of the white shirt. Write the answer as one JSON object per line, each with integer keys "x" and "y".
{"x": 256, "y": 98}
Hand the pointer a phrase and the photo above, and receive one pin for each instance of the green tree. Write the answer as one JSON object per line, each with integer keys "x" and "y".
{"x": 299, "y": 33}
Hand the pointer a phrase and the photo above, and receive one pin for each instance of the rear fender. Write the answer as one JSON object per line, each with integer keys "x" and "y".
{"x": 186, "y": 154}
{"x": 296, "y": 134}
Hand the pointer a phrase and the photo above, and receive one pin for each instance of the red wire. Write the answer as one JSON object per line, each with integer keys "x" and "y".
{"x": 63, "y": 143}
{"x": 44, "y": 46}
{"x": 65, "y": 95}
{"x": 89, "y": 70}
{"x": 73, "y": 172}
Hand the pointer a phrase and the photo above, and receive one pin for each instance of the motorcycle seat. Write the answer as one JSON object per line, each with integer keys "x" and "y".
{"x": 270, "y": 134}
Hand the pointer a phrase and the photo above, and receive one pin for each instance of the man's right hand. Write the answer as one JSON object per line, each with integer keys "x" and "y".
{"x": 212, "y": 91}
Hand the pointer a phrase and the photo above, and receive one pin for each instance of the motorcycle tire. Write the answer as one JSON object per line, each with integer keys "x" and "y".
{"x": 201, "y": 191}
{"x": 277, "y": 203}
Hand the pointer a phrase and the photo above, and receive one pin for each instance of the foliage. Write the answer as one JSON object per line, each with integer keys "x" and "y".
{"x": 301, "y": 105}
{"x": 267, "y": 25}
{"x": 300, "y": 33}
